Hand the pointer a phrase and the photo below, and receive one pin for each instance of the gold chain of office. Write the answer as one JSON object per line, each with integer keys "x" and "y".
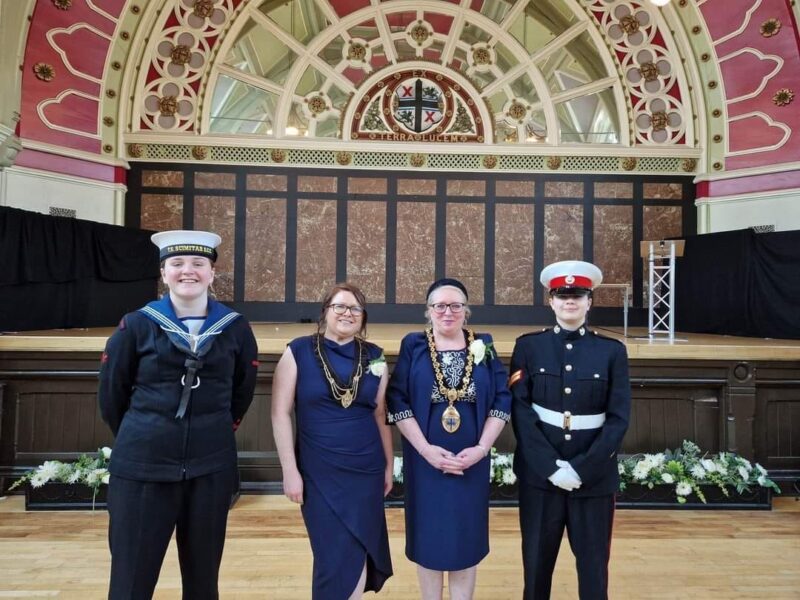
{"x": 451, "y": 419}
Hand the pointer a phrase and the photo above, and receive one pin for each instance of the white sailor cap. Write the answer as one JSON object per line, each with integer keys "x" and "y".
{"x": 186, "y": 243}
{"x": 571, "y": 276}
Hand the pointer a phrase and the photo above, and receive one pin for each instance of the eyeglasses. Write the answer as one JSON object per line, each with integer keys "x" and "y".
{"x": 455, "y": 307}
{"x": 340, "y": 309}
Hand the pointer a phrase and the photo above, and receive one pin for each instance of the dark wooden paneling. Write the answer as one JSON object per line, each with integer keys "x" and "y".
{"x": 48, "y": 410}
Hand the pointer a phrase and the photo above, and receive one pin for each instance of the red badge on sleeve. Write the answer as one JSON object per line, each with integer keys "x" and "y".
{"x": 515, "y": 377}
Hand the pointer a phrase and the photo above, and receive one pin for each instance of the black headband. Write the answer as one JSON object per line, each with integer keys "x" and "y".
{"x": 188, "y": 250}
{"x": 447, "y": 281}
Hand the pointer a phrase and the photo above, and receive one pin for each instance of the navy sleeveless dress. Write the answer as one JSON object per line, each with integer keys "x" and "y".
{"x": 341, "y": 459}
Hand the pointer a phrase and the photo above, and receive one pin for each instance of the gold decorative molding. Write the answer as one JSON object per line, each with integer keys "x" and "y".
{"x": 629, "y": 163}
{"x": 689, "y": 164}
{"x": 417, "y": 160}
{"x": 135, "y": 150}
{"x": 44, "y": 71}
{"x": 770, "y": 27}
{"x": 344, "y": 158}
{"x": 200, "y": 152}
{"x": 277, "y": 155}
{"x": 554, "y": 162}
{"x": 489, "y": 161}
{"x": 783, "y": 97}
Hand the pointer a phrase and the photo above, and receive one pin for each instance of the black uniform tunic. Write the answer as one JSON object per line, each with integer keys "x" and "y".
{"x": 584, "y": 373}
{"x": 167, "y": 470}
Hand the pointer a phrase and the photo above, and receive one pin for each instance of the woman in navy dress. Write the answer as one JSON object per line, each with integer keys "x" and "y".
{"x": 449, "y": 398}
{"x": 341, "y": 467}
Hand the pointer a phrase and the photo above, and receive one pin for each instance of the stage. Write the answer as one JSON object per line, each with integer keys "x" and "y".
{"x": 273, "y": 337}
{"x": 724, "y": 393}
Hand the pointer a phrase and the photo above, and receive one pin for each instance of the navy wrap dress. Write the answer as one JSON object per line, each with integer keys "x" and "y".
{"x": 341, "y": 460}
{"x": 447, "y": 516}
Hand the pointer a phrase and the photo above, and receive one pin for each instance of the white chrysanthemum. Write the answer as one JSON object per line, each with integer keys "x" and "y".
{"x": 761, "y": 469}
{"x": 37, "y": 480}
{"x": 698, "y": 472}
{"x": 397, "y": 469}
{"x": 48, "y": 470}
{"x": 640, "y": 471}
{"x": 75, "y": 476}
{"x": 667, "y": 478}
{"x": 721, "y": 469}
{"x": 106, "y": 452}
{"x": 746, "y": 463}
{"x": 508, "y": 477}
{"x": 377, "y": 368}
{"x": 478, "y": 351}
{"x": 621, "y": 468}
{"x": 683, "y": 488}
{"x": 762, "y": 480}
{"x": 106, "y": 478}
{"x": 708, "y": 465}
{"x": 743, "y": 473}
{"x": 95, "y": 476}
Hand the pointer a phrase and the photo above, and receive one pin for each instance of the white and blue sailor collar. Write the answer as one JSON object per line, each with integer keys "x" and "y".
{"x": 162, "y": 313}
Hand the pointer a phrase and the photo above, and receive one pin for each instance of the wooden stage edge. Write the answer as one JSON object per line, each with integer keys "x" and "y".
{"x": 273, "y": 337}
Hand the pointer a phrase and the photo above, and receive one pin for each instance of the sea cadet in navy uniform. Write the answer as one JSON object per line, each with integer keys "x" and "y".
{"x": 175, "y": 380}
{"x": 570, "y": 411}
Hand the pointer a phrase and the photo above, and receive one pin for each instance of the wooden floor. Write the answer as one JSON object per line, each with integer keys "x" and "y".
{"x": 692, "y": 555}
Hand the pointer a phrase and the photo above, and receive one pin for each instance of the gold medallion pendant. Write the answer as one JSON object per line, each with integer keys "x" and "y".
{"x": 451, "y": 420}
{"x": 347, "y": 399}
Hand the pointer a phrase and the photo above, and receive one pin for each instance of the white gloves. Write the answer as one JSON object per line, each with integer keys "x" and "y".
{"x": 566, "y": 477}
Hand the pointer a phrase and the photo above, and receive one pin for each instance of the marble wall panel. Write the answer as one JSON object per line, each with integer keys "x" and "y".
{"x": 513, "y": 235}
{"x": 366, "y": 248}
{"x": 464, "y": 248}
{"x": 310, "y": 183}
{"x": 218, "y": 214}
{"x": 563, "y": 189}
{"x": 161, "y": 212}
{"x": 215, "y": 181}
{"x": 613, "y": 241}
{"x": 661, "y": 222}
{"x": 412, "y": 187}
{"x": 613, "y": 189}
{"x": 172, "y": 179}
{"x": 316, "y": 248}
{"x": 663, "y": 191}
{"x": 367, "y": 185}
{"x": 265, "y": 250}
{"x": 466, "y": 187}
{"x": 563, "y": 233}
{"x": 515, "y": 189}
{"x": 416, "y": 251}
{"x": 265, "y": 182}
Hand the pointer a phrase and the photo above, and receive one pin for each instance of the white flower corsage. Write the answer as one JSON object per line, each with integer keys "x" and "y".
{"x": 478, "y": 350}
{"x": 378, "y": 366}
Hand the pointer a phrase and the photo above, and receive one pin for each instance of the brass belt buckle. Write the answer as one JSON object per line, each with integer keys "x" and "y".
{"x": 567, "y": 420}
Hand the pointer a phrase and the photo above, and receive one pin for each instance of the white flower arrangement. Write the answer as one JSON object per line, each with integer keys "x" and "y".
{"x": 479, "y": 349}
{"x": 377, "y": 366}
{"x": 88, "y": 470}
{"x": 687, "y": 470}
{"x": 500, "y": 468}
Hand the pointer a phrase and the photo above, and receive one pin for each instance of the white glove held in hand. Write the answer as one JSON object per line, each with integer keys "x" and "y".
{"x": 566, "y": 478}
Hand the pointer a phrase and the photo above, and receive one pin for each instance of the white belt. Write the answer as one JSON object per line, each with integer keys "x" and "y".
{"x": 567, "y": 420}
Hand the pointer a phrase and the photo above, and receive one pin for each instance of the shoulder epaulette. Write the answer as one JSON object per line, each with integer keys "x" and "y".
{"x": 606, "y": 337}
{"x": 532, "y": 333}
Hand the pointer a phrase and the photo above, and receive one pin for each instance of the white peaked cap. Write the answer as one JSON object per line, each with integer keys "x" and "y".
{"x": 571, "y": 274}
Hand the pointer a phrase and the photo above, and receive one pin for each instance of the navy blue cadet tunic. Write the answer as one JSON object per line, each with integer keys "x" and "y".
{"x": 586, "y": 374}
{"x": 447, "y": 516}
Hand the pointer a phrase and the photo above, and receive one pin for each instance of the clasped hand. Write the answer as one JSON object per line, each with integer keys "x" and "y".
{"x": 452, "y": 464}
{"x": 565, "y": 477}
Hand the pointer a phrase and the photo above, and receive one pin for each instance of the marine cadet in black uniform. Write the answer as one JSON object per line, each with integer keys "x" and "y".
{"x": 570, "y": 411}
{"x": 175, "y": 380}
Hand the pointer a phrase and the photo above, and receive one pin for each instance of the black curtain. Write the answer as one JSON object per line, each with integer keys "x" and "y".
{"x": 740, "y": 283}
{"x": 60, "y": 272}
